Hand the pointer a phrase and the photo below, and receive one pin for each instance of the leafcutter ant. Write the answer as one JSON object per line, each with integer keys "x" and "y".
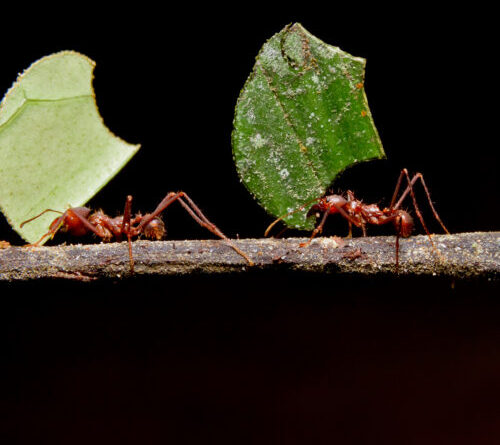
{"x": 360, "y": 214}
{"x": 79, "y": 221}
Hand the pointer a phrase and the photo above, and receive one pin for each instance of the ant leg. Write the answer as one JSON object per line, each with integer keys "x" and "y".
{"x": 415, "y": 205}
{"x": 199, "y": 217}
{"x": 299, "y": 209}
{"x": 317, "y": 229}
{"x": 344, "y": 214}
{"x": 350, "y": 197}
{"x": 126, "y": 229}
{"x": 51, "y": 232}
{"x": 281, "y": 232}
{"x": 144, "y": 221}
{"x": 203, "y": 221}
{"x": 351, "y": 221}
{"x": 363, "y": 228}
{"x": 169, "y": 199}
{"x": 195, "y": 213}
{"x": 276, "y": 221}
{"x": 409, "y": 189}
{"x": 397, "y": 251}
{"x": 396, "y": 190}
{"x": 349, "y": 234}
{"x": 398, "y": 235}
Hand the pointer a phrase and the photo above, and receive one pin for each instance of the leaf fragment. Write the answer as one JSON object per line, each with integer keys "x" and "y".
{"x": 302, "y": 117}
{"x": 55, "y": 150}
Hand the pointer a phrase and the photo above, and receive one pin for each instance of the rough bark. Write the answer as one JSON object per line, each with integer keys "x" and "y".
{"x": 464, "y": 255}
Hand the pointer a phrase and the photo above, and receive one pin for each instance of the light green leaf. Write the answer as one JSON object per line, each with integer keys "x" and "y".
{"x": 55, "y": 150}
{"x": 301, "y": 119}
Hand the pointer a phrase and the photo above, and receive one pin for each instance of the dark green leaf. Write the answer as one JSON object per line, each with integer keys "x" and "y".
{"x": 301, "y": 119}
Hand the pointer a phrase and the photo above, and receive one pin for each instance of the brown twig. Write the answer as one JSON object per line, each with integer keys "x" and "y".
{"x": 461, "y": 256}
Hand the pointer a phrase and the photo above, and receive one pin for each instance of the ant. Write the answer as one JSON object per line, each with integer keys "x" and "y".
{"x": 360, "y": 214}
{"x": 79, "y": 221}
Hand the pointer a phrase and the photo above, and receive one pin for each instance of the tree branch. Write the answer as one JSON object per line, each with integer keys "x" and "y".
{"x": 462, "y": 255}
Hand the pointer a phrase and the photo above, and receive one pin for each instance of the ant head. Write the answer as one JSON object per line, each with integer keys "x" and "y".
{"x": 155, "y": 229}
{"x": 314, "y": 209}
{"x": 328, "y": 203}
{"x": 404, "y": 223}
{"x": 70, "y": 221}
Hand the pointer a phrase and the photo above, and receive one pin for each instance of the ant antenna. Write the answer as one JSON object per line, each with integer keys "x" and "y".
{"x": 38, "y": 216}
{"x": 298, "y": 209}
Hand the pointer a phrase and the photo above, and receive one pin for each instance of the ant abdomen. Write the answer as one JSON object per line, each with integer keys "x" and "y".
{"x": 404, "y": 223}
{"x": 155, "y": 229}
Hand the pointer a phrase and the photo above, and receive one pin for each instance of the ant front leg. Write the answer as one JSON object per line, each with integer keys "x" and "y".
{"x": 53, "y": 229}
{"x": 344, "y": 214}
{"x": 317, "y": 229}
{"x": 299, "y": 209}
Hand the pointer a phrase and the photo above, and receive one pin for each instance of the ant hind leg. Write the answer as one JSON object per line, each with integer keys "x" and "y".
{"x": 195, "y": 212}
{"x": 409, "y": 189}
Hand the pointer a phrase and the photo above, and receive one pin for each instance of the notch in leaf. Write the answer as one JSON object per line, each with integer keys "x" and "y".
{"x": 55, "y": 150}
{"x": 302, "y": 118}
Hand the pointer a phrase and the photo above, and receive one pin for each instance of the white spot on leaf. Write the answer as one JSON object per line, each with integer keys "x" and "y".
{"x": 284, "y": 173}
{"x": 258, "y": 141}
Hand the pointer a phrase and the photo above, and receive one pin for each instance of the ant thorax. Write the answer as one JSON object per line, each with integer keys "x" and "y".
{"x": 354, "y": 206}
{"x": 104, "y": 225}
{"x": 372, "y": 213}
{"x": 334, "y": 202}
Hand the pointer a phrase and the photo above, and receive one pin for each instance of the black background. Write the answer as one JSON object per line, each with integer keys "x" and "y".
{"x": 263, "y": 358}
{"x": 170, "y": 82}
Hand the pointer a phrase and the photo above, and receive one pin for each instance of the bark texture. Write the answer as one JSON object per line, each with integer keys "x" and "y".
{"x": 463, "y": 255}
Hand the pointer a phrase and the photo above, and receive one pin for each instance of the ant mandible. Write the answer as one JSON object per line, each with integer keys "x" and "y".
{"x": 79, "y": 221}
{"x": 360, "y": 214}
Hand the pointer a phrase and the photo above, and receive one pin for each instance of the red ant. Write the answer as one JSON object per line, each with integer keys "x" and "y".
{"x": 360, "y": 214}
{"x": 79, "y": 221}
